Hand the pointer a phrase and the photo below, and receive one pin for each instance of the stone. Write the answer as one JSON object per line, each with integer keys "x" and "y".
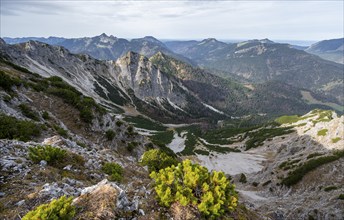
{"x": 43, "y": 163}
{"x": 20, "y": 203}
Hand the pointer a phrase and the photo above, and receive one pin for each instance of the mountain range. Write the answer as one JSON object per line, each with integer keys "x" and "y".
{"x": 79, "y": 115}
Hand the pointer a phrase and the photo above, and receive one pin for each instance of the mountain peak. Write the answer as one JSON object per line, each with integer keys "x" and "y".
{"x": 103, "y": 35}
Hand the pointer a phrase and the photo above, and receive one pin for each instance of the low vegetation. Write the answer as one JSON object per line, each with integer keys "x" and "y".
{"x": 56, "y": 86}
{"x": 192, "y": 184}
{"x": 162, "y": 137}
{"x": 156, "y": 160}
{"x": 322, "y": 132}
{"x": 110, "y": 135}
{"x": 52, "y": 155}
{"x": 12, "y": 128}
{"x": 28, "y": 112}
{"x": 61, "y": 208}
{"x": 7, "y": 82}
{"x": 142, "y": 122}
{"x": 55, "y": 156}
{"x": 335, "y": 140}
{"x": 330, "y": 188}
{"x": 296, "y": 175}
{"x": 256, "y": 138}
{"x": 114, "y": 170}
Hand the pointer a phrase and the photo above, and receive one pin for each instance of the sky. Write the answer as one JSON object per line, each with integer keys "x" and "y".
{"x": 174, "y": 19}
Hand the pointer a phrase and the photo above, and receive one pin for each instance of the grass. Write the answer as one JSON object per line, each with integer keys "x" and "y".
{"x": 142, "y": 122}
{"x": 288, "y": 119}
{"x": 322, "y": 132}
{"x": 296, "y": 175}
{"x": 335, "y": 140}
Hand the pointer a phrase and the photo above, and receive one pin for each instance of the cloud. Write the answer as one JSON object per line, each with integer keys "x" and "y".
{"x": 174, "y": 19}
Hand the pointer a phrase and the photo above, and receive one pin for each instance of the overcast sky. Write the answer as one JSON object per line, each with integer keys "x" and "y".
{"x": 173, "y": 19}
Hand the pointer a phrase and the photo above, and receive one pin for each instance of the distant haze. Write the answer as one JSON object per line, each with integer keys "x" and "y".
{"x": 290, "y": 20}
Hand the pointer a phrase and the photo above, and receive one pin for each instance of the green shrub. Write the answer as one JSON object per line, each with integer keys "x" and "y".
{"x": 132, "y": 145}
{"x": 341, "y": 197}
{"x": 61, "y": 209}
{"x": 330, "y": 188}
{"x": 314, "y": 155}
{"x": 130, "y": 129}
{"x": 156, "y": 159}
{"x": 52, "y": 155}
{"x": 119, "y": 123}
{"x": 192, "y": 184}
{"x": 110, "y": 135}
{"x": 45, "y": 115}
{"x": 243, "y": 178}
{"x": 28, "y": 112}
{"x": 296, "y": 175}
{"x": 6, "y": 82}
{"x": 114, "y": 170}
{"x": 61, "y": 131}
{"x": 12, "y": 128}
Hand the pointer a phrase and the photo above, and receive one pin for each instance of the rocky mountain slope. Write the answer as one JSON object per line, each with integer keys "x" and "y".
{"x": 161, "y": 87}
{"x": 332, "y": 50}
{"x": 37, "y": 111}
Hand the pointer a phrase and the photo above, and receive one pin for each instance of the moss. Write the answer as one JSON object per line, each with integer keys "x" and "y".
{"x": 341, "y": 197}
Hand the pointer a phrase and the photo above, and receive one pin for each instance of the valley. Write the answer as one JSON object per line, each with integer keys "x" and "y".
{"x": 268, "y": 116}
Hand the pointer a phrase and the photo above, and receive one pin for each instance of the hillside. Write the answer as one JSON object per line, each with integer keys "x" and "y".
{"x": 332, "y": 50}
{"x": 264, "y": 60}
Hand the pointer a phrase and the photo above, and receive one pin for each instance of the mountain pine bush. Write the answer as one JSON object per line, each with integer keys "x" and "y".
{"x": 156, "y": 159}
{"x": 114, "y": 170}
{"x": 58, "y": 209}
{"x": 52, "y": 155}
{"x": 192, "y": 184}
